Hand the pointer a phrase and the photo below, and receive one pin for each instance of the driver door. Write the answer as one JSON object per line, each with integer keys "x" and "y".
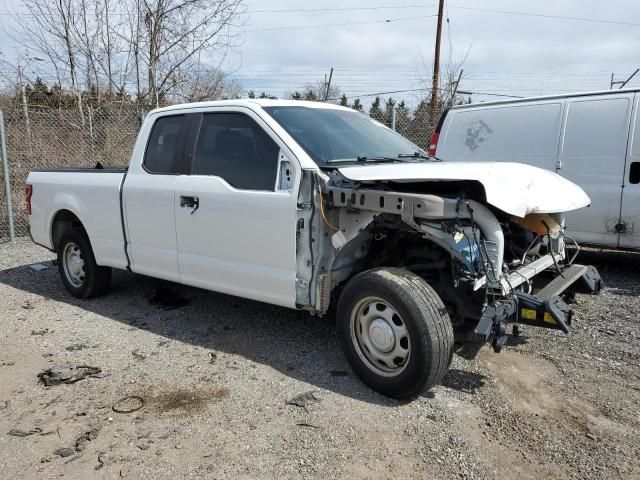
{"x": 236, "y": 231}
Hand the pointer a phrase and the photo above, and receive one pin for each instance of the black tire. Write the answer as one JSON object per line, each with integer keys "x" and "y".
{"x": 89, "y": 279}
{"x": 422, "y": 317}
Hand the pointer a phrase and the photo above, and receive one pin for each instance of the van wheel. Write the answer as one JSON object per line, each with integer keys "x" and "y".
{"x": 395, "y": 331}
{"x": 81, "y": 276}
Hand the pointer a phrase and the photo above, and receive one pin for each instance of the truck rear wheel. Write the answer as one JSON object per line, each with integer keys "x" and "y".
{"x": 395, "y": 331}
{"x": 82, "y": 277}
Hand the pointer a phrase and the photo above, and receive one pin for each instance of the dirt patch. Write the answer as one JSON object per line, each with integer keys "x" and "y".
{"x": 530, "y": 383}
{"x": 535, "y": 386}
{"x": 182, "y": 401}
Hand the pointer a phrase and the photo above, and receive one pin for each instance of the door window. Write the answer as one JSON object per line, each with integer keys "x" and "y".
{"x": 234, "y": 147}
{"x": 596, "y": 128}
{"x": 161, "y": 149}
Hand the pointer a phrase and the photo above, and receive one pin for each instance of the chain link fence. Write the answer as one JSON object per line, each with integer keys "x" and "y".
{"x": 56, "y": 138}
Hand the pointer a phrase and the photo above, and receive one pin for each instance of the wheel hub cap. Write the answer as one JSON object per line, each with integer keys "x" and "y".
{"x": 381, "y": 335}
{"x": 73, "y": 264}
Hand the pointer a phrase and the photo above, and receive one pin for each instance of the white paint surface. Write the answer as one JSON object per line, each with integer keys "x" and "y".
{"x": 512, "y": 187}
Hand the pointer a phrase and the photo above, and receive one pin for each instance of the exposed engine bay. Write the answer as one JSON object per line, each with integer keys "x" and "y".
{"x": 487, "y": 265}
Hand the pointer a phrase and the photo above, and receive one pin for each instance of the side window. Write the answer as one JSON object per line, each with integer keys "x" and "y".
{"x": 234, "y": 147}
{"x": 161, "y": 149}
{"x": 596, "y": 128}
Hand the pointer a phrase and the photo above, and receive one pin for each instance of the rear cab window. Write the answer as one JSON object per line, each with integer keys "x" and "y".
{"x": 164, "y": 145}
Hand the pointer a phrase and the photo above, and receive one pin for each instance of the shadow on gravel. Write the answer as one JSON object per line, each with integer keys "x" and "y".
{"x": 604, "y": 260}
{"x": 292, "y": 342}
{"x": 620, "y": 269}
{"x": 466, "y": 382}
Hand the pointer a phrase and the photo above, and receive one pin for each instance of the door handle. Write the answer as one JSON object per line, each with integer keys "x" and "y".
{"x": 190, "y": 202}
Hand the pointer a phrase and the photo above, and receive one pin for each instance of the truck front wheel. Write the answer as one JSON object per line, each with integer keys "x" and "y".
{"x": 395, "y": 331}
{"x": 82, "y": 277}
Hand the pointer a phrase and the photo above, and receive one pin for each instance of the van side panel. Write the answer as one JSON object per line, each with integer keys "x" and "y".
{"x": 630, "y": 213}
{"x": 524, "y": 133}
{"x": 592, "y": 154}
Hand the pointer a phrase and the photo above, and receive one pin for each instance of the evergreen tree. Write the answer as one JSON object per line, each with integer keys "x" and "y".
{"x": 295, "y": 95}
{"x": 357, "y": 105}
{"x": 389, "y": 105}
{"x": 344, "y": 101}
{"x": 420, "y": 131}
{"x": 310, "y": 95}
{"x": 403, "y": 119}
{"x": 375, "y": 111}
{"x": 251, "y": 94}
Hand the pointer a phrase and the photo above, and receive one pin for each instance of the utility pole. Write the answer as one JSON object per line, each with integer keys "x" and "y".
{"x": 436, "y": 65}
{"x": 25, "y": 107}
{"x": 622, "y": 83}
{"x": 630, "y": 77}
{"x": 326, "y": 93}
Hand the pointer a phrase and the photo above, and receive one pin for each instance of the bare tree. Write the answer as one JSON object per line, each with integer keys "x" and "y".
{"x": 316, "y": 91}
{"x": 176, "y": 32}
{"x": 197, "y": 86}
{"x": 50, "y": 31}
{"x": 151, "y": 48}
{"x": 453, "y": 72}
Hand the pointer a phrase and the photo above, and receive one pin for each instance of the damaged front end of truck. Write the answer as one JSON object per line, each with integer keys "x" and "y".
{"x": 496, "y": 263}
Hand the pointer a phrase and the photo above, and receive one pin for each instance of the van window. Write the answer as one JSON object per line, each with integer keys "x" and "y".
{"x": 234, "y": 147}
{"x": 161, "y": 150}
{"x": 509, "y": 132}
{"x": 596, "y": 128}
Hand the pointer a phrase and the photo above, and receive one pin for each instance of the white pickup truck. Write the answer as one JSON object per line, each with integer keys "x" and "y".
{"x": 308, "y": 205}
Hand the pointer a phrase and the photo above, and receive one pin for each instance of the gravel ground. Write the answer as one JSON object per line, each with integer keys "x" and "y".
{"x": 215, "y": 376}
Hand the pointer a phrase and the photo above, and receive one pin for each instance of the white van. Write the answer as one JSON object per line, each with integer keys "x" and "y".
{"x": 590, "y": 138}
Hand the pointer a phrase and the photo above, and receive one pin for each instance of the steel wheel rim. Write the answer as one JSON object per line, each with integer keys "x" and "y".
{"x": 380, "y": 336}
{"x": 73, "y": 264}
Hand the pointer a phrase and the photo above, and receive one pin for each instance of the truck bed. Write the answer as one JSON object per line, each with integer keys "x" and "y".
{"x": 93, "y": 194}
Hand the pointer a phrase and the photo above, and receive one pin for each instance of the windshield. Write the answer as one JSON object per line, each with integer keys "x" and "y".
{"x": 334, "y": 136}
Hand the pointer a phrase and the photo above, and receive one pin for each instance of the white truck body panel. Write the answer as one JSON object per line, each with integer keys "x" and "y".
{"x": 92, "y": 197}
{"x": 239, "y": 242}
{"x": 512, "y": 187}
{"x": 587, "y": 138}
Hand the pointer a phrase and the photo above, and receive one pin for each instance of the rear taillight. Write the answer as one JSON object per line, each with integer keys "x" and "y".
{"x": 434, "y": 144}
{"x": 28, "y": 191}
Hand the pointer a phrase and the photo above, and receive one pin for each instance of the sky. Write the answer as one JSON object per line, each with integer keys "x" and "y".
{"x": 288, "y": 44}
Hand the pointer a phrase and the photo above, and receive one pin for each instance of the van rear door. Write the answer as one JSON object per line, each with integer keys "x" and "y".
{"x": 630, "y": 212}
{"x": 593, "y": 151}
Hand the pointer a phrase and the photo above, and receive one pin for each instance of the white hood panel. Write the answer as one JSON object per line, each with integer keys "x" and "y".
{"x": 514, "y": 188}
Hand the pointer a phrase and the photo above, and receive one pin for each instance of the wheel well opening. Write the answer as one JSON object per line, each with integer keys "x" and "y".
{"x": 394, "y": 247}
{"x": 64, "y": 220}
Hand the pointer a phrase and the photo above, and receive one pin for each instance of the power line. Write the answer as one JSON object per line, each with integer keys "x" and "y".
{"x": 543, "y": 15}
{"x": 403, "y": 7}
{"x": 462, "y": 7}
{"x": 388, "y": 20}
{"x": 341, "y": 9}
{"x": 465, "y": 92}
